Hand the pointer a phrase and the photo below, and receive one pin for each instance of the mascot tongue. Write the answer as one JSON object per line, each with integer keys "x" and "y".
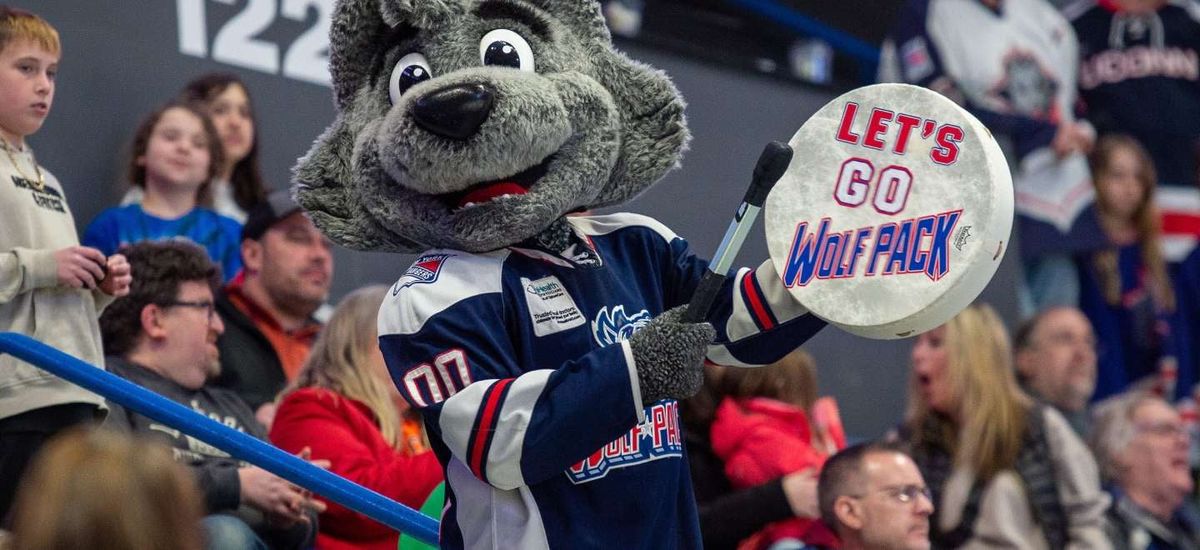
{"x": 490, "y": 191}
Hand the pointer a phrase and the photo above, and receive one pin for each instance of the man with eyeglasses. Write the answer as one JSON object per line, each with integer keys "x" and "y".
{"x": 873, "y": 497}
{"x": 1141, "y": 445}
{"x": 163, "y": 337}
{"x": 1056, "y": 361}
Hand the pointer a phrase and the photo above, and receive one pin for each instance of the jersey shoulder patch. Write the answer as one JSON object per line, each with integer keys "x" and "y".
{"x": 434, "y": 282}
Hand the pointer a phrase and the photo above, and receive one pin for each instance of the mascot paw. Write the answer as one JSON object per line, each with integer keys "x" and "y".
{"x": 669, "y": 356}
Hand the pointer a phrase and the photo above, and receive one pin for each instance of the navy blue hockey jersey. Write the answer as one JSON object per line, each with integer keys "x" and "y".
{"x": 519, "y": 361}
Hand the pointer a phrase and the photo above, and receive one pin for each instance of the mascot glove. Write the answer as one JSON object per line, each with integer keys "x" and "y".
{"x": 669, "y": 356}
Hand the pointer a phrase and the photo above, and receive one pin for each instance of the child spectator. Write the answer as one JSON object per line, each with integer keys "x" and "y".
{"x": 50, "y": 287}
{"x": 175, "y": 153}
{"x": 762, "y": 431}
{"x": 238, "y": 185}
{"x": 344, "y": 406}
{"x": 1126, "y": 291}
{"x": 67, "y": 500}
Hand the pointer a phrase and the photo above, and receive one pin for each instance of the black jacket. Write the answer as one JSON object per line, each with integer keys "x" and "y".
{"x": 215, "y": 471}
{"x": 249, "y": 365}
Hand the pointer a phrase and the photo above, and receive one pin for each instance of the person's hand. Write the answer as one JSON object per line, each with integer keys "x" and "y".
{"x": 266, "y": 414}
{"x": 79, "y": 266}
{"x": 284, "y": 503}
{"x": 1073, "y": 137}
{"x": 801, "y": 491}
{"x": 120, "y": 276}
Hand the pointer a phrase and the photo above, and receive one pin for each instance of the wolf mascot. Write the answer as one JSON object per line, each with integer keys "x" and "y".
{"x": 544, "y": 346}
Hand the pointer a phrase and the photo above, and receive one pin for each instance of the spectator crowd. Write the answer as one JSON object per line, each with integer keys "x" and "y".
{"x": 210, "y": 288}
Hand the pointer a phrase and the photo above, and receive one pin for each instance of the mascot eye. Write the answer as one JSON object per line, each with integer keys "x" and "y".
{"x": 505, "y": 48}
{"x": 410, "y": 70}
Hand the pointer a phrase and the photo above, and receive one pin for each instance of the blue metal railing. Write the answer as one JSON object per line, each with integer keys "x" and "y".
{"x": 239, "y": 445}
{"x": 866, "y": 53}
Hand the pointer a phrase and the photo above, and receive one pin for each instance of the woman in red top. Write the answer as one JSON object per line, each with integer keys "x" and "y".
{"x": 344, "y": 407}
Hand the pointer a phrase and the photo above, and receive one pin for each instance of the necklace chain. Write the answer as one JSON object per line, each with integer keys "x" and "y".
{"x": 40, "y": 182}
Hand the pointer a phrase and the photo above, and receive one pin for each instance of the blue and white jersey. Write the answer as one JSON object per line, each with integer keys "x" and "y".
{"x": 1014, "y": 69}
{"x": 520, "y": 363}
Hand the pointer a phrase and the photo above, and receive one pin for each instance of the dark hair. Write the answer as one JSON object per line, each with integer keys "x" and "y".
{"x": 141, "y": 141}
{"x": 246, "y": 179}
{"x": 159, "y": 269}
{"x": 841, "y": 474}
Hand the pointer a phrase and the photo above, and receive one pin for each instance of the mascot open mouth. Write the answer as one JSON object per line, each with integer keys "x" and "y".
{"x": 480, "y": 193}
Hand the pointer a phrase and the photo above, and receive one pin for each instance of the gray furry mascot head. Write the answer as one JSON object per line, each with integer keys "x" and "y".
{"x": 474, "y": 125}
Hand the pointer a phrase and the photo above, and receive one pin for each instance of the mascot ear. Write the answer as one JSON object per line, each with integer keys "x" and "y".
{"x": 654, "y": 132}
{"x": 358, "y": 31}
{"x": 326, "y": 188}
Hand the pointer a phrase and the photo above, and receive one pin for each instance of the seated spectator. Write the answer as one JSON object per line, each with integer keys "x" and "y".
{"x": 728, "y": 516}
{"x": 1142, "y": 447}
{"x": 1012, "y": 64}
{"x": 162, "y": 336}
{"x": 1004, "y": 471}
{"x": 345, "y": 407}
{"x": 1127, "y": 292}
{"x": 175, "y": 153}
{"x": 762, "y": 431}
{"x": 1056, "y": 361}
{"x": 873, "y": 497}
{"x": 238, "y": 185}
{"x": 269, "y": 308}
{"x": 68, "y": 499}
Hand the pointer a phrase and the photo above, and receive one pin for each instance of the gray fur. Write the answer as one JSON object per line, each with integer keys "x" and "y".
{"x": 669, "y": 356}
{"x": 611, "y": 127}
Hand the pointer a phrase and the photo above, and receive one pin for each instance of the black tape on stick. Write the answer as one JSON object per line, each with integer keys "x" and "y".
{"x": 772, "y": 163}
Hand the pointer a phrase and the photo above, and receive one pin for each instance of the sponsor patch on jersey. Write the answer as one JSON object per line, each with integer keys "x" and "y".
{"x": 425, "y": 270}
{"x": 551, "y": 307}
{"x": 613, "y": 326}
{"x": 658, "y": 437}
{"x": 917, "y": 62}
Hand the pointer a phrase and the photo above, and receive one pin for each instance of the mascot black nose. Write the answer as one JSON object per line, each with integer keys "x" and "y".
{"x": 456, "y": 112}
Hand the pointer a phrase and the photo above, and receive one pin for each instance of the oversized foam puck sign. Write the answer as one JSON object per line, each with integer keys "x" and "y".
{"x": 894, "y": 213}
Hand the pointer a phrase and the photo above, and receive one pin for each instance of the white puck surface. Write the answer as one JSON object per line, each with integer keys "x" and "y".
{"x": 894, "y": 213}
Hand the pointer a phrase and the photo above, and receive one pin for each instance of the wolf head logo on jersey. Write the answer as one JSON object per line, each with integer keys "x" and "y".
{"x": 611, "y": 327}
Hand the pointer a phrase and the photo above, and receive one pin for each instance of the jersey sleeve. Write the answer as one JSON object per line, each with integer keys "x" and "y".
{"x": 447, "y": 347}
{"x": 912, "y": 54}
{"x": 756, "y": 319}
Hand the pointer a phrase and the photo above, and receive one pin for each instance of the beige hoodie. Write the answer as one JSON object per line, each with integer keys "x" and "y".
{"x": 33, "y": 225}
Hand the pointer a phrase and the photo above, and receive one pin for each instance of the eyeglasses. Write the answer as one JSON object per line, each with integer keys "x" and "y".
{"x": 906, "y": 494}
{"x": 208, "y": 307}
{"x": 1172, "y": 429}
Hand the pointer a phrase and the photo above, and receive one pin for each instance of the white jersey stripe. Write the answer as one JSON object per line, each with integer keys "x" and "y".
{"x": 494, "y": 519}
{"x": 504, "y": 457}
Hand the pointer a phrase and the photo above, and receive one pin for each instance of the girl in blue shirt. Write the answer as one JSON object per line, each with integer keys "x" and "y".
{"x": 1126, "y": 291}
{"x": 175, "y": 153}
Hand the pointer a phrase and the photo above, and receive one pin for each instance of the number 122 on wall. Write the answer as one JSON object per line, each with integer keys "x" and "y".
{"x": 237, "y": 42}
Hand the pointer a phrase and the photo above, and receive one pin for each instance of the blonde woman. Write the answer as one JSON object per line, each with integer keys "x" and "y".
{"x": 68, "y": 499}
{"x": 344, "y": 406}
{"x": 1004, "y": 472}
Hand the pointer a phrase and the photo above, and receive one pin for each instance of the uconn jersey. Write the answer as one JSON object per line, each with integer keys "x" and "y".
{"x": 1014, "y": 69}
{"x": 1139, "y": 74}
{"x": 520, "y": 363}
